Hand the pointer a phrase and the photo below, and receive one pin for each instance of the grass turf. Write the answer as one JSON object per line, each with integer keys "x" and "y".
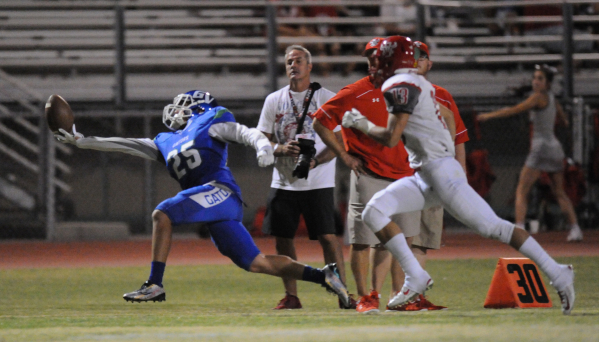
{"x": 224, "y": 303}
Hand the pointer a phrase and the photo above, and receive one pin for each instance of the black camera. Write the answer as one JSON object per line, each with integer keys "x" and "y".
{"x": 307, "y": 152}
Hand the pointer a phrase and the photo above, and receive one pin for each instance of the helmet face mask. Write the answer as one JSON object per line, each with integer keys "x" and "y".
{"x": 395, "y": 52}
{"x": 175, "y": 117}
{"x": 194, "y": 102}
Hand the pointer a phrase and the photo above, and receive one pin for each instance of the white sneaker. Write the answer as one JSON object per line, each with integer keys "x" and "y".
{"x": 406, "y": 295}
{"x": 575, "y": 234}
{"x": 566, "y": 293}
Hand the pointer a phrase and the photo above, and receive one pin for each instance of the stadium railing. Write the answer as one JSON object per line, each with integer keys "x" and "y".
{"x": 28, "y": 153}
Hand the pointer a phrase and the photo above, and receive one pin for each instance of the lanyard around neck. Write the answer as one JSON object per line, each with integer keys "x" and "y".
{"x": 306, "y": 103}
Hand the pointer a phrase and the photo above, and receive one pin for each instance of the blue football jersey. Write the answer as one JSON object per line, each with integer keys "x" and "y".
{"x": 194, "y": 158}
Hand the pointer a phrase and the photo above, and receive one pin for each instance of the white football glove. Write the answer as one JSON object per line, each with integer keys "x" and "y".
{"x": 68, "y": 138}
{"x": 266, "y": 156}
{"x": 355, "y": 119}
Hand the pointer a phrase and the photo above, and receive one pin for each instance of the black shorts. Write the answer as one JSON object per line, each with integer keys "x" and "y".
{"x": 284, "y": 208}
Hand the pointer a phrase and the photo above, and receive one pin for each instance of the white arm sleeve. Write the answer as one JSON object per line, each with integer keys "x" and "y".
{"x": 234, "y": 132}
{"x": 144, "y": 148}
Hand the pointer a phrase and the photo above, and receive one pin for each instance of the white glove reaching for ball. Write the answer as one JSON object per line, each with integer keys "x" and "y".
{"x": 355, "y": 119}
{"x": 266, "y": 156}
{"x": 68, "y": 138}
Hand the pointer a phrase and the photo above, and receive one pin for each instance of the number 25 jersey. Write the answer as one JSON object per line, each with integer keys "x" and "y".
{"x": 194, "y": 158}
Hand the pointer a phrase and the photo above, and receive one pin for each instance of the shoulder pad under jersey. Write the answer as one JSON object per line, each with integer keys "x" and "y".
{"x": 402, "y": 97}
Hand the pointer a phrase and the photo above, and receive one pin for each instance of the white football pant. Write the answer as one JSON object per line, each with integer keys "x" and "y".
{"x": 439, "y": 182}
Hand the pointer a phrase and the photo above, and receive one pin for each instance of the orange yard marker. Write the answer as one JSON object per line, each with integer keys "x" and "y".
{"x": 517, "y": 283}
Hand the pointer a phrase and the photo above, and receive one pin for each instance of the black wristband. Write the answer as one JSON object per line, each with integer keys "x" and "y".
{"x": 316, "y": 163}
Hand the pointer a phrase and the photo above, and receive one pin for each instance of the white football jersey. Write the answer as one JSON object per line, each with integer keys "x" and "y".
{"x": 426, "y": 135}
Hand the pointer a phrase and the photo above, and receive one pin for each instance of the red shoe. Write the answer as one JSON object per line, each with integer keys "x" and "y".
{"x": 369, "y": 304}
{"x": 289, "y": 302}
{"x": 411, "y": 306}
{"x": 424, "y": 303}
{"x": 352, "y": 303}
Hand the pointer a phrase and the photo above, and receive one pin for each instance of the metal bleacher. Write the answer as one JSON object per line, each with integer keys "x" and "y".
{"x": 465, "y": 37}
{"x": 85, "y": 38}
{"x": 66, "y": 43}
{"x": 77, "y": 39}
{"x": 72, "y": 48}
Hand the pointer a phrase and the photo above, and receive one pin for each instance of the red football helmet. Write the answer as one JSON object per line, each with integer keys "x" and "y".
{"x": 395, "y": 52}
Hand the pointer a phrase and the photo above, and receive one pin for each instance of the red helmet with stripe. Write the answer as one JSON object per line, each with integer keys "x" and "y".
{"x": 395, "y": 52}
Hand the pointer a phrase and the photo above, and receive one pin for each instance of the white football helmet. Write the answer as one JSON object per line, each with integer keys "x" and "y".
{"x": 175, "y": 116}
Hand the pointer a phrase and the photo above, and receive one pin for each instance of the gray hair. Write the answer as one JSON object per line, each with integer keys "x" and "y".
{"x": 299, "y": 48}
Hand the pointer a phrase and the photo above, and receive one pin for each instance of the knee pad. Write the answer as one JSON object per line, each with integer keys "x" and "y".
{"x": 374, "y": 219}
{"x": 501, "y": 230}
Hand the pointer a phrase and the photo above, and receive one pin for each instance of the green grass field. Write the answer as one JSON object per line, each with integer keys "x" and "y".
{"x": 224, "y": 303}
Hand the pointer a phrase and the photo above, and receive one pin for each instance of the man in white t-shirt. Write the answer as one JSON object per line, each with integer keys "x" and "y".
{"x": 290, "y": 196}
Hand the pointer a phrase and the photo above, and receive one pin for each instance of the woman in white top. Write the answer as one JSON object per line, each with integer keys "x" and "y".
{"x": 546, "y": 153}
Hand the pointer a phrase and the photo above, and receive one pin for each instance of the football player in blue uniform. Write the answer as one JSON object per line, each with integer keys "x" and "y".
{"x": 195, "y": 154}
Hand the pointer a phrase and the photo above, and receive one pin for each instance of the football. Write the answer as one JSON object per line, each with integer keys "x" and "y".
{"x": 59, "y": 114}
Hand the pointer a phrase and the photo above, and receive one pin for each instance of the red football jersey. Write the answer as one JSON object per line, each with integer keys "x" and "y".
{"x": 386, "y": 162}
{"x": 445, "y": 98}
